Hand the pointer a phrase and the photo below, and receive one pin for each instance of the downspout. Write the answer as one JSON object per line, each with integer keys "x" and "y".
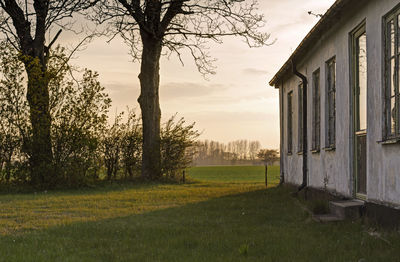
{"x": 305, "y": 84}
{"x": 282, "y": 133}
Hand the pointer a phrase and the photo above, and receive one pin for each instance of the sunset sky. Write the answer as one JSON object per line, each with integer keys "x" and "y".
{"x": 237, "y": 102}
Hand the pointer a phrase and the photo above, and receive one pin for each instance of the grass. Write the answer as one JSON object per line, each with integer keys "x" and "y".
{"x": 205, "y": 220}
{"x": 238, "y": 174}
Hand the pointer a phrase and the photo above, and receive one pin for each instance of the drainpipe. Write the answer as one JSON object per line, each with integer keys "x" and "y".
{"x": 305, "y": 84}
{"x": 282, "y": 130}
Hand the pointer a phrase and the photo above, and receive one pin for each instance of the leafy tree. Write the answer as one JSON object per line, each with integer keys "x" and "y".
{"x": 269, "y": 157}
{"x": 78, "y": 108}
{"x": 156, "y": 27}
{"x": 25, "y": 24}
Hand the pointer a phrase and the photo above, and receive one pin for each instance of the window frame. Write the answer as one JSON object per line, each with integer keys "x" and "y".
{"x": 290, "y": 122}
{"x": 330, "y": 105}
{"x": 316, "y": 111}
{"x": 392, "y": 17}
{"x": 300, "y": 127}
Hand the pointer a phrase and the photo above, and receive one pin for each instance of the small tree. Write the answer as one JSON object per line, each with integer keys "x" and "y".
{"x": 268, "y": 157}
{"x": 111, "y": 147}
{"x": 131, "y": 148}
{"x": 177, "y": 146}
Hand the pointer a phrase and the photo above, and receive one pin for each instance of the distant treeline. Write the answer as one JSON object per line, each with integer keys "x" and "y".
{"x": 239, "y": 152}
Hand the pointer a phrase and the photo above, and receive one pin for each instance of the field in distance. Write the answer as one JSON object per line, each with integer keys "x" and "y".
{"x": 231, "y": 174}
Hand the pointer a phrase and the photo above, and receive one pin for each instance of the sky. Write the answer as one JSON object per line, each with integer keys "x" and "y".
{"x": 236, "y": 102}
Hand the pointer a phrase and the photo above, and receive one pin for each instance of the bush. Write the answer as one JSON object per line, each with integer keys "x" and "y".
{"x": 177, "y": 146}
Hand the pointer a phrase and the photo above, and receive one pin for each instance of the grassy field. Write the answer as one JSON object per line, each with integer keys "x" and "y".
{"x": 240, "y": 174}
{"x": 205, "y": 220}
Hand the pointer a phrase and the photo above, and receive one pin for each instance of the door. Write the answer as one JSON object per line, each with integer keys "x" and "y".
{"x": 360, "y": 111}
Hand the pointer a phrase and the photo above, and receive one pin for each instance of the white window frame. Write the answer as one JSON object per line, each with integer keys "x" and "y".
{"x": 330, "y": 108}
{"x": 391, "y": 86}
{"x": 316, "y": 111}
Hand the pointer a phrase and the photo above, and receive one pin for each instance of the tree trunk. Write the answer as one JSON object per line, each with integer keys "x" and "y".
{"x": 150, "y": 107}
{"x": 40, "y": 149}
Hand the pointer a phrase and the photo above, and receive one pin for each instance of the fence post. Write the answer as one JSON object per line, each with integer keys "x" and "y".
{"x": 266, "y": 176}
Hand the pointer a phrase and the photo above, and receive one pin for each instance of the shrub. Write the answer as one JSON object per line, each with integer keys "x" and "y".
{"x": 177, "y": 146}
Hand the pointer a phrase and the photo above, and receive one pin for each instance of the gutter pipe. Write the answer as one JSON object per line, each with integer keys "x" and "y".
{"x": 305, "y": 142}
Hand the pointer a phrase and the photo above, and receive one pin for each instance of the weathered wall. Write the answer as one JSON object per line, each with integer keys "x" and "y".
{"x": 334, "y": 169}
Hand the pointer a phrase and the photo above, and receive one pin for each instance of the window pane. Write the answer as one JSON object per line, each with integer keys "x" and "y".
{"x": 391, "y": 35}
{"x": 316, "y": 111}
{"x": 393, "y": 114}
{"x": 392, "y": 77}
{"x": 362, "y": 81}
{"x": 331, "y": 103}
{"x": 398, "y": 36}
{"x": 300, "y": 117}
{"x": 397, "y": 106}
{"x": 290, "y": 122}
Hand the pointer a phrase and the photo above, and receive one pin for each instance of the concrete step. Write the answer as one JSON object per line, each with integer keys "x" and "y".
{"x": 347, "y": 209}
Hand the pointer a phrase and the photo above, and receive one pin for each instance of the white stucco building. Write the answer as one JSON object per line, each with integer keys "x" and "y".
{"x": 349, "y": 66}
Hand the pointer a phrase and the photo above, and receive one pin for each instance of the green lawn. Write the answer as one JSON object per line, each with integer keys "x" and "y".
{"x": 204, "y": 220}
{"x": 240, "y": 174}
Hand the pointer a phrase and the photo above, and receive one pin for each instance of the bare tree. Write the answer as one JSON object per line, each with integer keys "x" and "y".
{"x": 153, "y": 28}
{"x": 25, "y": 24}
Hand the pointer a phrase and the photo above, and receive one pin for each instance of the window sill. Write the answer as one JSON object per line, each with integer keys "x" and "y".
{"x": 330, "y": 148}
{"x": 315, "y": 151}
{"x": 300, "y": 153}
{"x": 289, "y": 153}
{"x": 390, "y": 141}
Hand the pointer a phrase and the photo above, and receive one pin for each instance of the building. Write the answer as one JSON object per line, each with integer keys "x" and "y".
{"x": 340, "y": 104}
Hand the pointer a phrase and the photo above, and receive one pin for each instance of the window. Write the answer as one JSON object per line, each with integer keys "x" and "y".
{"x": 290, "y": 122}
{"x": 392, "y": 95}
{"x": 330, "y": 104}
{"x": 316, "y": 112}
{"x": 300, "y": 118}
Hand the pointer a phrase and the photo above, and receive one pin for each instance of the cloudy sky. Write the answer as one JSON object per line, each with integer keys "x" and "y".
{"x": 237, "y": 102}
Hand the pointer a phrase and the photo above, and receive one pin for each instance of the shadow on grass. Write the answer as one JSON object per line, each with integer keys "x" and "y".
{"x": 267, "y": 222}
{"x": 99, "y": 187}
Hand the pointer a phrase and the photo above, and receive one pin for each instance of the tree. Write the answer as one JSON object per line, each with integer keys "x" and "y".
{"x": 268, "y": 156}
{"x": 153, "y": 26}
{"x": 78, "y": 109}
{"x": 25, "y": 25}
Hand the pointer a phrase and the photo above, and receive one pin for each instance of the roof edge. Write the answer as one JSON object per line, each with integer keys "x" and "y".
{"x": 322, "y": 23}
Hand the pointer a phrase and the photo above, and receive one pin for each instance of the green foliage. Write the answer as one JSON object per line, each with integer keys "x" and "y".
{"x": 177, "y": 146}
{"x": 78, "y": 110}
{"x": 131, "y": 148}
{"x": 14, "y": 122}
{"x": 268, "y": 156}
{"x": 122, "y": 151}
{"x": 82, "y": 142}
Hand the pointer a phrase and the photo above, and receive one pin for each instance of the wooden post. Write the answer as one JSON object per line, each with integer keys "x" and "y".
{"x": 266, "y": 175}
{"x": 184, "y": 177}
